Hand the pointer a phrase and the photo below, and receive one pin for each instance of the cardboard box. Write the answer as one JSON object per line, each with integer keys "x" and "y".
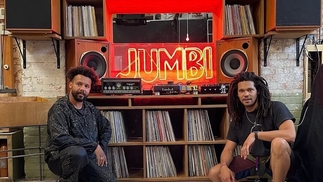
{"x": 23, "y": 111}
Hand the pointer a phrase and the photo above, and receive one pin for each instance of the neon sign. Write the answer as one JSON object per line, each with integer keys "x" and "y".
{"x": 159, "y": 63}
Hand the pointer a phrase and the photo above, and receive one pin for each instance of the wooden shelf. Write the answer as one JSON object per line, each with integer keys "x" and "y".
{"x": 242, "y": 36}
{"x": 257, "y": 8}
{"x": 288, "y": 34}
{"x": 100, "y": 16}
{"x": 134, "y": 109}
{"x": 36, "y": 36}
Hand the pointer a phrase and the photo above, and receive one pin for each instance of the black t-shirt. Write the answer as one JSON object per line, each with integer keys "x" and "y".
{"x": 238, "y": 133}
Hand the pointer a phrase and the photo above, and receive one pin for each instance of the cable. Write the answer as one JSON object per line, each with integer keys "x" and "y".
{"x": 301, "y": 122}
{"x": 187, "y": 37}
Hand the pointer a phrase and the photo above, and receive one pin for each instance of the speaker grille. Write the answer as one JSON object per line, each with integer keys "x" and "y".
{"x": 298, "y": 12}
{"x": 28, "y": 14}
{"x": 96, "y": 61}
{"x": 233, "y": 62}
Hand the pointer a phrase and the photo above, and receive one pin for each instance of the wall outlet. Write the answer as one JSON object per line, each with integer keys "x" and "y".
{"x": 1, "y": 13}
{"x": 2, "y": 30}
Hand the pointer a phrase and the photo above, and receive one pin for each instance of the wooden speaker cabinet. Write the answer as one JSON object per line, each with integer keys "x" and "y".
{"x": 235, "y": 56}
{"x": 33, "y": 16}
{"x": 91, "y": 53}
{"x": 293, "y": 15}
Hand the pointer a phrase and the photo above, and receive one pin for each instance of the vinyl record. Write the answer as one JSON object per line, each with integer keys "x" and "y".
{"x": 96, "y": 61}
{"x": 233, "y": 62}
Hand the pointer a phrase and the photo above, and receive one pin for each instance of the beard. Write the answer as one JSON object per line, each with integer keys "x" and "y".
{"x": 79, "y": 96}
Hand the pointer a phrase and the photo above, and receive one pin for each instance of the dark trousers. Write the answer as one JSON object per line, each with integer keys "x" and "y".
{"x": 73, "y": 164}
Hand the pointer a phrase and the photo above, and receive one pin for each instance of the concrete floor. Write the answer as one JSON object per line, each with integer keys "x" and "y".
{"x": 37, "y": 181}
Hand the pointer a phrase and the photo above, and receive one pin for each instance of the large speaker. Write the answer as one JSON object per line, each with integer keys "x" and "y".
{"x": 34, "y": 16}
{"x": 235, "y": 56}
{"x": 90, "y": 53}
{"x": 293, "y": 15}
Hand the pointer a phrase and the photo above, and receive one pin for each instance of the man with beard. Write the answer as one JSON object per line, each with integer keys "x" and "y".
{"x": 263, "y": 128}
{"x": 78, "y": 134}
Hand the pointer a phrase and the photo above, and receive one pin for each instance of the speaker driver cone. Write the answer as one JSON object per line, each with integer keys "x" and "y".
{"x": 96, "y": 61}
{"x": 233, "y": 62}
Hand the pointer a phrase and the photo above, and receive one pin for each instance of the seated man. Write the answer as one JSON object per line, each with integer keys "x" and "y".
{"x": 263, "y": 128}
{"x": 78, "y": 134}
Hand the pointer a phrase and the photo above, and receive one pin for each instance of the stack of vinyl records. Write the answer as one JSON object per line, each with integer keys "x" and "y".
{"x": 199, "y": 126}
{"x": 200, "y": 159}
{"x": 118, "y": 135}
{"x": 159, "y": 162}
{"x": 159, "y": 127}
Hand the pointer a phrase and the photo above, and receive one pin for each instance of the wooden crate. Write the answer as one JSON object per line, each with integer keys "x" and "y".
{"x": 23, "y": 111}
{"x": 15, "y": 166}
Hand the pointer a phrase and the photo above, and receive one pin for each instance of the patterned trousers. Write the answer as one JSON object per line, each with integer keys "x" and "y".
{"x": 73, "y": 164}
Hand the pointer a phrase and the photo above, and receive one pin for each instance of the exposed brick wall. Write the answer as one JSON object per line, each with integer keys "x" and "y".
{"x": 284, "y": 78}
{"x": 40, "y": 78}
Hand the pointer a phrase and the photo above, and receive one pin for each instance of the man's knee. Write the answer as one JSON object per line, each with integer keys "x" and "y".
{"x": 279, "y": 146}
{"x": 76, "y": 154}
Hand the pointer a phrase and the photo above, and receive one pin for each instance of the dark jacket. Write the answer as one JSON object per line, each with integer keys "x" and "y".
{"x": 68, "y": 126}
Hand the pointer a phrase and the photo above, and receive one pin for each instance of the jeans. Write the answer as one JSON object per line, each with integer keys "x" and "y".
{"x": 73, "y": 164}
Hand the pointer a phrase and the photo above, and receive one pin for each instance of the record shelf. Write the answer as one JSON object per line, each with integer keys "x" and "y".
{"x": 194, "y": 124}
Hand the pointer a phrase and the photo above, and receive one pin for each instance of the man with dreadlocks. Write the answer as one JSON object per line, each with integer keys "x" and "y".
{"x": 263, "y": 128}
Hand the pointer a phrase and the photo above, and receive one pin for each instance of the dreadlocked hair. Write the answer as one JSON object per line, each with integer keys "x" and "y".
{"x": 235, "y": 108}
{"x": 85, "y": 71}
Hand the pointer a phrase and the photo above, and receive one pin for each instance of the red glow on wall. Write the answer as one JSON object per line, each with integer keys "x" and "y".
{"x": 159, "y": 63}
{"x": 166, "y": 6}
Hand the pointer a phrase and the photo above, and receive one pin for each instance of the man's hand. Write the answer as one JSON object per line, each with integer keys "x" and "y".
{"x": 245, "y": 149}
{"x": 226, "y": 174}
{"x": 100, "y": 156}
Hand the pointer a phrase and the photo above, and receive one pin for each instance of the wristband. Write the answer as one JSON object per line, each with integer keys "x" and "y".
{"x": 256, "y": 134}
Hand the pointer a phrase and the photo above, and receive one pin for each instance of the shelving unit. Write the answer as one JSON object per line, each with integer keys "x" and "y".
{"x": 134, "y": 110}
{"x": 100, "y": 17}
{"x": 257, "y": 8}
{"x": 15, "y": 166}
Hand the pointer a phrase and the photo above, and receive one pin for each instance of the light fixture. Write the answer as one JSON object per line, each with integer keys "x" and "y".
{"x": 187, "y": 36}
